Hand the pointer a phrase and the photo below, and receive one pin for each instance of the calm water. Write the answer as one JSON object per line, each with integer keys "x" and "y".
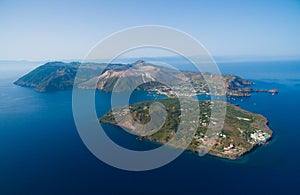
{"x": 42, "y": 153}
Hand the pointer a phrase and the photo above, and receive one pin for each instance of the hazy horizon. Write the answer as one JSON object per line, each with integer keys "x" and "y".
{"x": 239, "y": 58}
{"x": 57, "y": 30}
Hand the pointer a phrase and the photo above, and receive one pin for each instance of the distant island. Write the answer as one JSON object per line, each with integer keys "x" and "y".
{"x": 54, "y": 76}
{"x": 242, "y": 130}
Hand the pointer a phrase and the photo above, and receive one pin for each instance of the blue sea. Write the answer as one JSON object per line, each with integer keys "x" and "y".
{"x": 42, "y": 153}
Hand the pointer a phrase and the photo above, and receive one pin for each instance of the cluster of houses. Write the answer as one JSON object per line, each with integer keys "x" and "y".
{"x": 227, "y": 149}
{"x": 122, "y": 112}
{"x": 259, "y": 137}
{"x": 231, "y": 146}
{"x": 182, "y": 89}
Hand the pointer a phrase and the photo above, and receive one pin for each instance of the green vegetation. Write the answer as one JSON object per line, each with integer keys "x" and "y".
{"x": 57, "y": 75}
{"x": 60, "y": 76}
{"x": 242, "y": 130}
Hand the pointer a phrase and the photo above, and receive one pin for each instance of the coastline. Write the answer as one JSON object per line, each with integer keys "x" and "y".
{"x": 211, "y": 152}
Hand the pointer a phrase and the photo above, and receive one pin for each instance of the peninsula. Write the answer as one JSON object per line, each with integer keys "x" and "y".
{"x": 241, "y": 132}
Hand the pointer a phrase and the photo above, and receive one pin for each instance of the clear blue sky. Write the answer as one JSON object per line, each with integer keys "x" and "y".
{"x": 48, "y": 30}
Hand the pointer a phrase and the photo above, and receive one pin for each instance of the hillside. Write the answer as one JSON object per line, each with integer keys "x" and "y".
{"x": 54, "y": 76}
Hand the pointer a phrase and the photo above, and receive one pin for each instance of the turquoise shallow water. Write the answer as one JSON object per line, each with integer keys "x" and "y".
{"x": 42, "y": 153}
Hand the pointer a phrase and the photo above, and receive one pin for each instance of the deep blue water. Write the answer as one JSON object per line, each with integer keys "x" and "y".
{"x": 42, "y": 153}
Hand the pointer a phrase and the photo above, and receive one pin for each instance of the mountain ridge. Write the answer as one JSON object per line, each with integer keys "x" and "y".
{"x": 57, "y": 75}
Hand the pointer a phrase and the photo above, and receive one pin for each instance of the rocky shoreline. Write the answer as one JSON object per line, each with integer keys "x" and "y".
{"x": 238, "y": 146}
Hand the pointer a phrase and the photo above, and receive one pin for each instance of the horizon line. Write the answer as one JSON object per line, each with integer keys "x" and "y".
{"x": 217, "y": 58}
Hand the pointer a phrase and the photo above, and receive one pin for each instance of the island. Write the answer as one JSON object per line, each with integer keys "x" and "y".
{"x": 242, "y": 130}
{"x": 54, "y": 76}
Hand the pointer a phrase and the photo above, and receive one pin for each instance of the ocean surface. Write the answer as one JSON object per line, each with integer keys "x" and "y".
{"x": 42, "y": 153}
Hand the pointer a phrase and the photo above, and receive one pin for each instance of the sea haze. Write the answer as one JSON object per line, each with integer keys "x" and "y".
{"x": 41, "y": 151}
